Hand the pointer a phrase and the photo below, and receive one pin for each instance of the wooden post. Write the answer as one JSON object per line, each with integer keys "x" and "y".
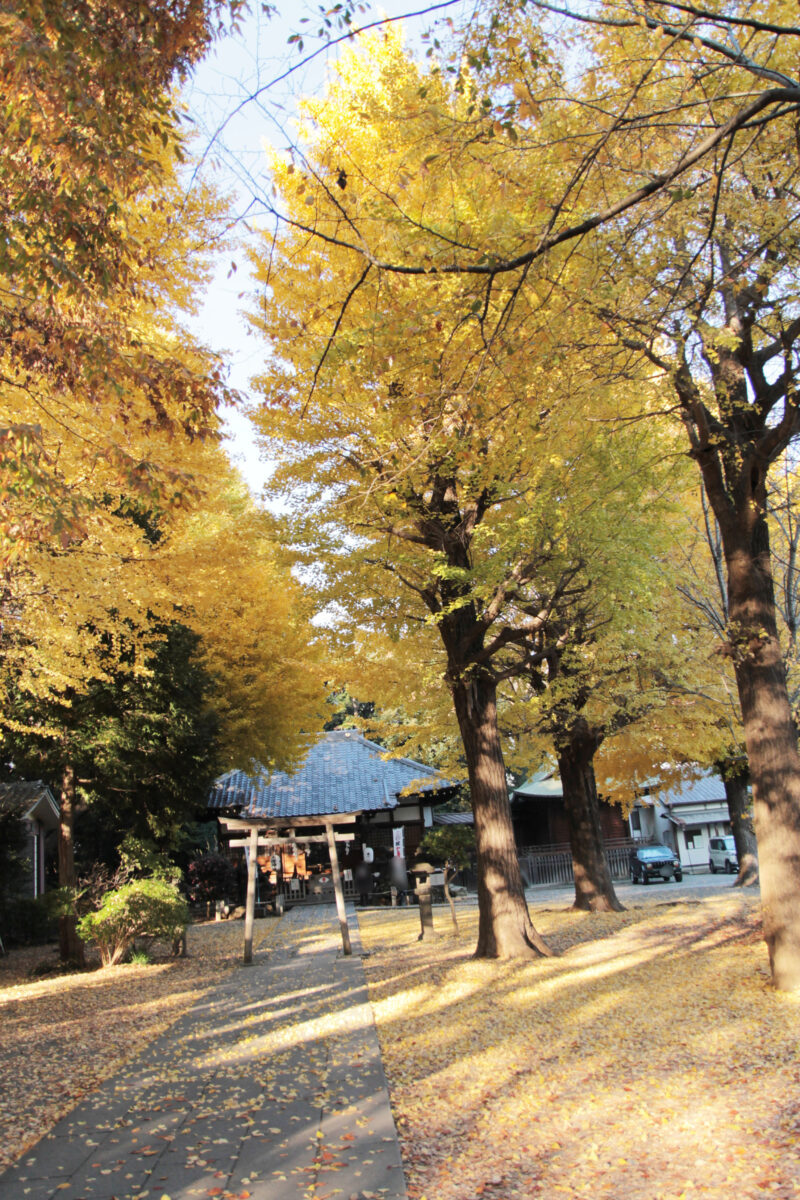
{"x": 338, "y": 891}
{"x": 250, "y": 903}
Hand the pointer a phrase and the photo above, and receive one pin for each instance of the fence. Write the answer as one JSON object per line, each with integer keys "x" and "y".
{"x": 553, "y": 864}
{"x": 538, "y": 864}
{"x": 317, "y": 889}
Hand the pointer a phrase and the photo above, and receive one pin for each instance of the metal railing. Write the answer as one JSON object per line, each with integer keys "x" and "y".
{"x": 314, "y": 890}
{"x": 553, "y": 864}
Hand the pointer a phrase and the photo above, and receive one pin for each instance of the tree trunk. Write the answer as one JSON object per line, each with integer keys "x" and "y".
{"x": 505, "y": 929}
{"x": 70, "y": 945}
{"x": 594, "y": 890}
{"x": 743, "y": 832}
{"x": 771, "y": 740}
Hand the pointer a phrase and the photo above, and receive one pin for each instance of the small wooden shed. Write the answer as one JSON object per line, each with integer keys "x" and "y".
{"x": 33, "y": 805}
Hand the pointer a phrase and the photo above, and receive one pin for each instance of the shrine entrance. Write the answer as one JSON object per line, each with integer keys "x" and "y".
{"x": 253, "y": 835}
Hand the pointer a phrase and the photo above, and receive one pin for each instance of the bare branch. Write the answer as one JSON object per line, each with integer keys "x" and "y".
{"x": 682, "y": 33}
{"x": 330, "y": 341}
{"x": 789, "y": 96}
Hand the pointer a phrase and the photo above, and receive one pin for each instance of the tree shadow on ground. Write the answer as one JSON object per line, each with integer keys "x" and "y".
{"x": 650, "y": 1052}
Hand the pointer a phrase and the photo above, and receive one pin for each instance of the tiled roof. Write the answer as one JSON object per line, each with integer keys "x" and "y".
{"x": 21, "y": 795}
{"x": 30, "y": 799}
{"x": 542, "y": 785}
{"x": 453, "y": 818}
{"x": 342, "y": 773}
{"x": 709, "y": 789}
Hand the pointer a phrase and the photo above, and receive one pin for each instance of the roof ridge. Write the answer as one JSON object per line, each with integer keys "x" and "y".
{"x": 344, "y": 771}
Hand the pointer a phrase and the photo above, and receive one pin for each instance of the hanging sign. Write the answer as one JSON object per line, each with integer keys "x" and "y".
{"x": 398, "y": 842}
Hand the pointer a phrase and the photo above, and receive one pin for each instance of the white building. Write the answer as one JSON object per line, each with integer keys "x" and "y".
{"x": 683, "y": 818}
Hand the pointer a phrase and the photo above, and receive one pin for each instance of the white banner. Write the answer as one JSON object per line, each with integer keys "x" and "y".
{"x": 398, "y": 842}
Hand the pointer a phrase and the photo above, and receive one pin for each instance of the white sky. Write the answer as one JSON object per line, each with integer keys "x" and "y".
{"x": 240, "y": 65}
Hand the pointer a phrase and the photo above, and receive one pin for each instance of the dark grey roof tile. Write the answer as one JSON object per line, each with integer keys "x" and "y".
{"x": 342, "y": 773}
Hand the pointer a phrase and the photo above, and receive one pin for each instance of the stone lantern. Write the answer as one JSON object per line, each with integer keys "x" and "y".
{"x": 422, "y": 872}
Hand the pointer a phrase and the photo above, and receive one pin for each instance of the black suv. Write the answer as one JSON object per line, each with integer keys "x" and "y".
{"x": 654, "y": 862}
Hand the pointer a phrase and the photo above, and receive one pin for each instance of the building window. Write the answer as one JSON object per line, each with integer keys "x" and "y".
{"x": 636, "y": 821}
{"x": 691, "y": 835}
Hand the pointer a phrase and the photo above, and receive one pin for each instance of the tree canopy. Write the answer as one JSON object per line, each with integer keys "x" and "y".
{"x": 120, "y": 517}
{"x": 678, "y": 151}
{"x": 456, "y": 473}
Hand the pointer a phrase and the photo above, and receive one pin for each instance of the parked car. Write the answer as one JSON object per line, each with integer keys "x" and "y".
{"x": 654, "y": 862}
{"x": 722, "y": 855}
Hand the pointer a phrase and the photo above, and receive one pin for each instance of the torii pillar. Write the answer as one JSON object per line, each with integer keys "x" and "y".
{"x": 250, "y": 901}
{"x": 338, "y": 890}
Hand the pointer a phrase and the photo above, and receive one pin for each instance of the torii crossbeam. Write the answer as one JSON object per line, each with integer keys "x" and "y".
{"x": 275, "y": 832}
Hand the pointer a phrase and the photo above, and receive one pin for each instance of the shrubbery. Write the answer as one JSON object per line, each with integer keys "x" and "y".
{"x": 211, "y": 877}
{"x": 27, "y": 921}
{"x": 152, "y": 909}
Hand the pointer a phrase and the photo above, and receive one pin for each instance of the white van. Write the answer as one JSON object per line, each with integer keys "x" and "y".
{"x": 722, "y": 855}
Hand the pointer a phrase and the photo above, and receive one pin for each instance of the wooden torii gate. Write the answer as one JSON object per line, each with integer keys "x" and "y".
{"x": 266, "y": 832}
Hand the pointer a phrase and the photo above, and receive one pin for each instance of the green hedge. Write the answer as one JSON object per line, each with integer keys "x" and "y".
{"x": 152, "y": 909}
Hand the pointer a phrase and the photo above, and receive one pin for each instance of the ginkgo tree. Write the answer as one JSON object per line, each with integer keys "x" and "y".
{"x": 715, "y": 705}
{"x": 708, "y": 298}
{"x": 785, "y": 550}
{"x": 609, "y": 662}
{"x": 703, "y": 585}
{"x": 88, "y": 193}
{"x": 699, "y": 278}
{"x": 108, "y": 455}
{"x": 75, "y": 667}
{"x": 94, "y": 460}
{"x": 700, "y": 282}
{"x": 109, "y": 407}
{"x": 230, "y": 581}
{"x": 538, "y": 71}
{"x": 438, "y": 446}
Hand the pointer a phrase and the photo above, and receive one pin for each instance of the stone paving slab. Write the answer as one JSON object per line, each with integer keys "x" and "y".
{"x": 271, "y": 1087}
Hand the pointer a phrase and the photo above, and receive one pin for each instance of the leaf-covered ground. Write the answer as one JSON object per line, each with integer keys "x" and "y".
{"x": 650, "y": 1060}
{"x": 62, "y": 1034}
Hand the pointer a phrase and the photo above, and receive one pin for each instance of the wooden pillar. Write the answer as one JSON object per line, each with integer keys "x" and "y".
{"x": 250, "y": 903}
{"x": 40, "y": 848}
{"x": 338, "y": 891}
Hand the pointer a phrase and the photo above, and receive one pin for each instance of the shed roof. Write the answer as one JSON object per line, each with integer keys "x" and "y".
{"x": 542, "y": 785}
{"x": 32, "y": 800}
{"x": 453, "y": 818}
{"x": 343, "y": 773}
{"x": 703, "y": 817}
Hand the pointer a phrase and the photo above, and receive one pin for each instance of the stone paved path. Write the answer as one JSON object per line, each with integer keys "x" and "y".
{"x": 270, "y": 1088}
